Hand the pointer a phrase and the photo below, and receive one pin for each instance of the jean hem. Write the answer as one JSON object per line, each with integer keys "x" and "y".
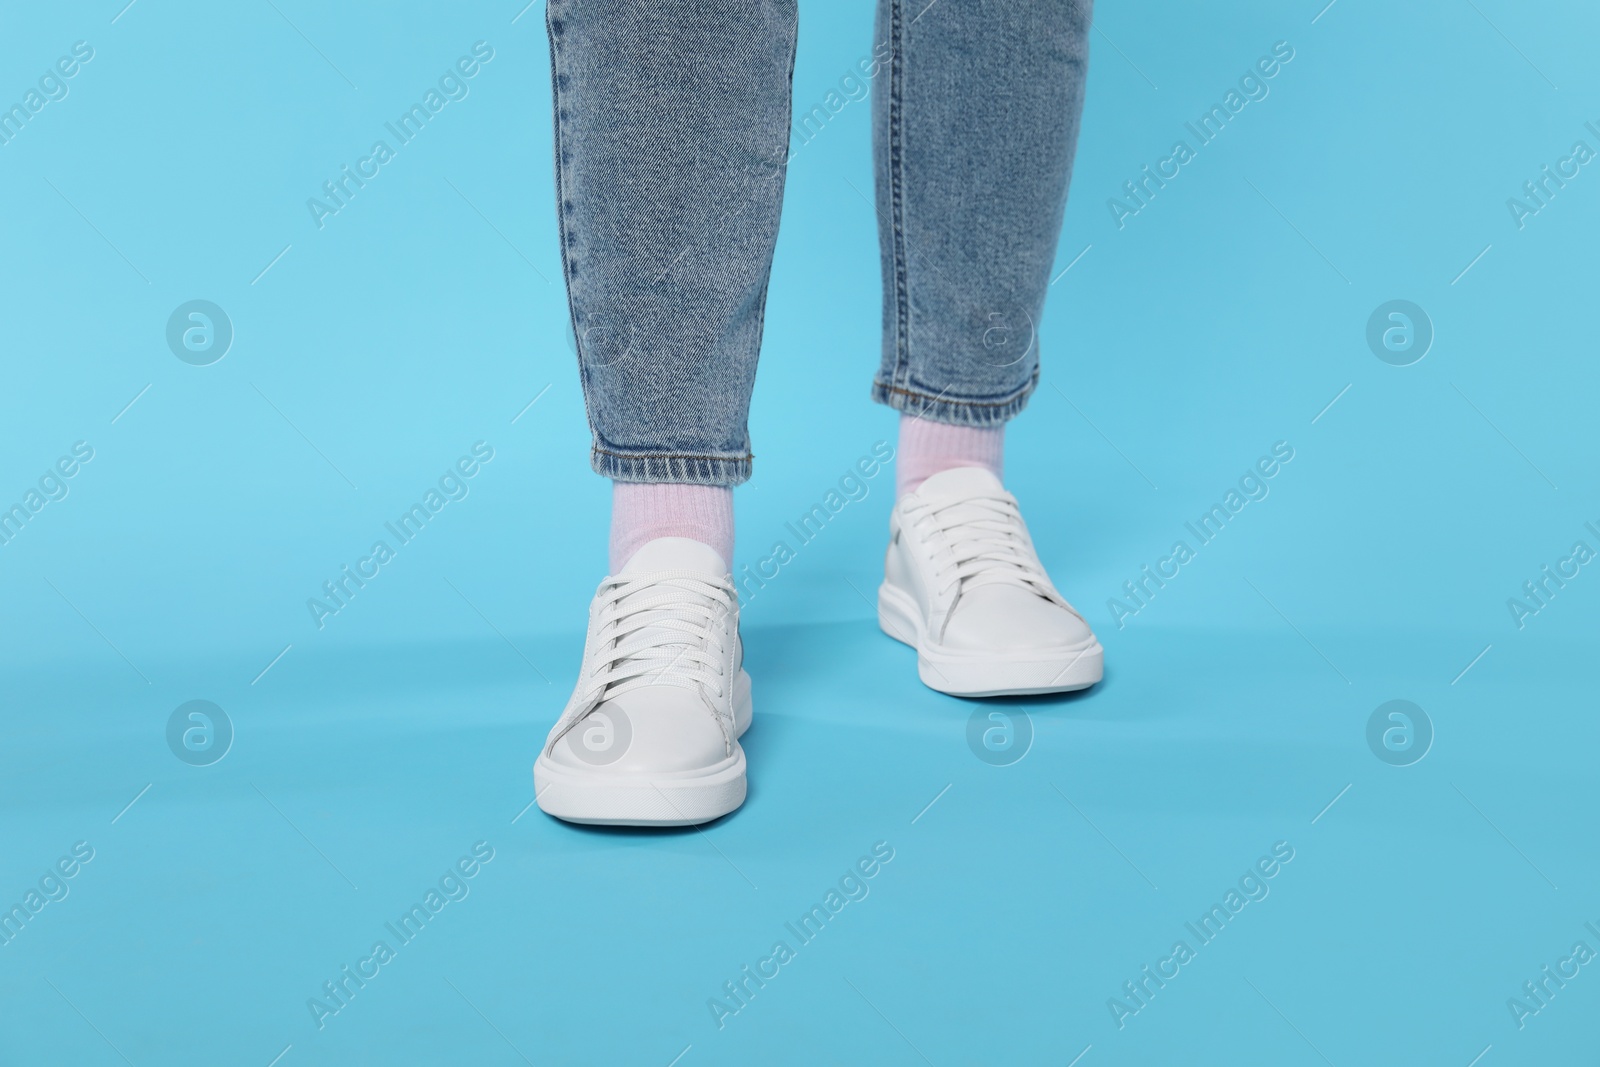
{"x": 954, "y": 411}
{"x": 675, "y": 467}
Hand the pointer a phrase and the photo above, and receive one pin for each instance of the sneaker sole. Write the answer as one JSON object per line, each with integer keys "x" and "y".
{"x": 972, "y": 674}
{"x": 685, "y": 798}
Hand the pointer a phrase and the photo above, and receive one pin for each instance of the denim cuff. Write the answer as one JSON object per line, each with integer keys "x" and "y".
{"x": 927, "y": 404}
{"x": 671, "y": 467}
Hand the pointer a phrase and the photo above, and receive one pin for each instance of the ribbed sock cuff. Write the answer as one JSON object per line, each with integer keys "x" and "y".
{"x": 926, "y": 448}
{"x": 644, "y": 511}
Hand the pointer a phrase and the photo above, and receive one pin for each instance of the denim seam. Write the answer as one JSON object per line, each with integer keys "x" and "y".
{"x": 584, "y": 378}
{"x": 896, "y": 164}
{"x": 693, "y": 470}
{"x": 766, "y": 282}
{"x": 742, "y": 458}
{"x": 942, "y": 409}
{"x": 939, "y": 398}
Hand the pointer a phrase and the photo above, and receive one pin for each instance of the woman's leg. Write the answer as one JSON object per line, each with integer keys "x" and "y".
{"x": 975, "y": 122}
{"x": 672, "y": 130}
{"x": 975, "y": 125}
{"x": 672, "y": 127}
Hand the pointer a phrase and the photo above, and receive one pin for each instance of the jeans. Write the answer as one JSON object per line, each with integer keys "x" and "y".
{"x": 671, "y": 141}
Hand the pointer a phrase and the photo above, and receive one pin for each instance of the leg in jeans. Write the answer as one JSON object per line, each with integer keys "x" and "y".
{"x": 672, "y": 124}
{"x": 975, "y": 124}
{"x": 672, "y": 127}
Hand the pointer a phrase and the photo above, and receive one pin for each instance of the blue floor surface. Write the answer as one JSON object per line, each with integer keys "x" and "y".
{"x": 1236, "y": 850}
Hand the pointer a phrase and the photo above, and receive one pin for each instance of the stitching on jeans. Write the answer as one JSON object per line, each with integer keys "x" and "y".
{"x": 939, "y": 399}
{"x": 766, "y": 283}
{"x": 561, "y": 219}
{"x": 902, "y": 325}
{"x": 647, "y": 456}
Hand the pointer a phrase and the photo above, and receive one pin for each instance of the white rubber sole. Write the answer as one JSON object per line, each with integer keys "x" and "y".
{"x": 682, "y": 798}
{"x": 987, "y": 674}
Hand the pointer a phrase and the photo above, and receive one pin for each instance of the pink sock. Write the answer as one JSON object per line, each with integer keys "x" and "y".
{"x": 644, "y": 511}
{"x": 926, "y": 448}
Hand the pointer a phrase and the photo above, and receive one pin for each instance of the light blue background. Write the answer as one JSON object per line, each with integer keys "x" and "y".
{"x": 1224, "y": 317}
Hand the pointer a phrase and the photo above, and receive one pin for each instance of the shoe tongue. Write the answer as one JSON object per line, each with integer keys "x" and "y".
{"x": 959, "y": 483}
{"x": 676, "y": 554}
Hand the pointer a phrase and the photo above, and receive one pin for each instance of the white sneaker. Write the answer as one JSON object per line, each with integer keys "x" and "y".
{"x": 964, "y": 587}
{"x": 651, "y": 734}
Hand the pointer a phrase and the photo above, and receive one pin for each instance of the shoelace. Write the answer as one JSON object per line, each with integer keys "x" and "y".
{"x": 660, "y": 629}
{"x": 985, "y": 543}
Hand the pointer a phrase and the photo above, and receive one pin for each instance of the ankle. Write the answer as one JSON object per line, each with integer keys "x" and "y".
{"x": 644, "y": 511}
{"x": 926, "y": 448}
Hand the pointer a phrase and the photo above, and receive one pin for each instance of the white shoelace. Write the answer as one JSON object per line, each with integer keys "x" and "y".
{"x": 984, "y": 543}
{"x": 659, "y": 629}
